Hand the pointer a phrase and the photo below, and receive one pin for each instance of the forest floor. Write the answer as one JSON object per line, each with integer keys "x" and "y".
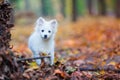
{"x": 88, "y": 44}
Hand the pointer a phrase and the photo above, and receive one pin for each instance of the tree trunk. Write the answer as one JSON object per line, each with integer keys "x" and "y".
{"x": 63, "y": 7}
{"x": 102, "y": 7}
{"x": 74, "y": 11}
{"x": 117, "y": 8}
{"x": 47, "y": 8}
{"x": 89, "y": 5}
{"x": 27, "y": 5}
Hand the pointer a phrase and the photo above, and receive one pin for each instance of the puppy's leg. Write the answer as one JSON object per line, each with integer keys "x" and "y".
{"x": 38, "y": 61}
{"x": 52, "y": 57}
{"x": 47, "y": 61}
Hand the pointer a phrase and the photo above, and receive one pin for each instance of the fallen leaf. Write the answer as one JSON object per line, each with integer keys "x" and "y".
{"x": 61, "y": 73}
{"x": 33, "y": 65}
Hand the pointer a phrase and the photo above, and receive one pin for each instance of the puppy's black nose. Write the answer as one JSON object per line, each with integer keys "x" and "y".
{"x": 45, "y": 36}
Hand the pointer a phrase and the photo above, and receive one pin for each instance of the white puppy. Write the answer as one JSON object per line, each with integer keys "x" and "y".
{"x": 42, "y": 39}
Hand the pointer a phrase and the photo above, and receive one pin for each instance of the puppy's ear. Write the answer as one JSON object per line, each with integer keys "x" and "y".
{"x": 54, "y": 23}
{"x": 40, "y": 21}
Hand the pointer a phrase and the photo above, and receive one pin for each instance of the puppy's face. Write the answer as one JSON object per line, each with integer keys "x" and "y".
{"x": 46, "y": 32}
{"x": 46, "y": 29}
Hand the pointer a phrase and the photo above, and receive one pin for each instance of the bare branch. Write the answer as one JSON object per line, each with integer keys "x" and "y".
{"x": 34, "y": 58}
{"x": 98, "y": 69}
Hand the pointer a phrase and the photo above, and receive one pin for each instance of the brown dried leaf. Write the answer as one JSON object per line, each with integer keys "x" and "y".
{"x": 61, "y": 73}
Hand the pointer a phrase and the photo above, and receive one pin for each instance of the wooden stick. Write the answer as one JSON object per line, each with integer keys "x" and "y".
{"x": 34, "y": 58}
{"x": 97, "y": 69}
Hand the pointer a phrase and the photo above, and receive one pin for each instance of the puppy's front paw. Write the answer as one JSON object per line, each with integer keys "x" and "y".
{"x": 52, "y": 62}
{"x": 38, "y": 62}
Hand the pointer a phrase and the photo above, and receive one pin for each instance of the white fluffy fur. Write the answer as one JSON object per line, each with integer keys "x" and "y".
{"x": 37, "y": 41}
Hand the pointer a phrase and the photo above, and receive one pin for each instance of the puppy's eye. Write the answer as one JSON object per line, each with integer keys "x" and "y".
{"x": 42, "y": 30}
{"x": 49, "y": 31}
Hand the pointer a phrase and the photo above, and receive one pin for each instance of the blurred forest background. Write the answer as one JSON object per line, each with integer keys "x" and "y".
{"x": 66, "y": 9}
{"x": 79, "y": 21}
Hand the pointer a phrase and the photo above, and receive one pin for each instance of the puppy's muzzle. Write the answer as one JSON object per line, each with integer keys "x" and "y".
{"x": 45, "y": 36}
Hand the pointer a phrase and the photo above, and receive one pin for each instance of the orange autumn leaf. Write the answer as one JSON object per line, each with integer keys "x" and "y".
{"x": 61, "y": 73}
{"x": 117, "y": 65}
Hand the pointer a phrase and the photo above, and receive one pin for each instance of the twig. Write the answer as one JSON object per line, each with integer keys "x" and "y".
{"x": 34, "y": 58}
{"x": 97, "y": 69}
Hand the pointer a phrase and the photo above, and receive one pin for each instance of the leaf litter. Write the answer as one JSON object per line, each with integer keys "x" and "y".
{"x": 90, "y": 52}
